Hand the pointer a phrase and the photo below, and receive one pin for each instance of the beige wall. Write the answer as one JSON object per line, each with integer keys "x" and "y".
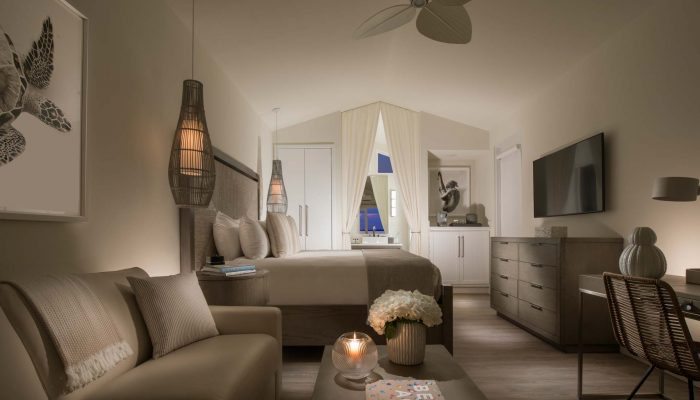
{"x": 138, "y": 56}
{"x": 642, "y": 88}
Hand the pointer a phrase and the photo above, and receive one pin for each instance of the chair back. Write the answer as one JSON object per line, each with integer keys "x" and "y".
{"x": 648, "y": 322}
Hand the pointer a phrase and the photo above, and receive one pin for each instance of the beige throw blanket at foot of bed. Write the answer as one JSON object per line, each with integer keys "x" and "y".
{"x": 80, "y": 328}
{"x": 397, "y": 269}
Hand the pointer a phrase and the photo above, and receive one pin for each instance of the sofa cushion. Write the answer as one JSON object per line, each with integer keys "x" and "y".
{"x": 117, "y": 298}
{"x": 222, "y": 367}
{"x": 175, "y": 311}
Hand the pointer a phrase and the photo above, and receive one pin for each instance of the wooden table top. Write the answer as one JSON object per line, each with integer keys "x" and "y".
{"x": 593, "y": 285}
{"x": 439, "y": 365}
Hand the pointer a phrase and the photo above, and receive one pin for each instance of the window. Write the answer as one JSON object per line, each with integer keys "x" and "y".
{"x": 392, "y": 206}
{"x": 384, "y": 164}
{"x": 369, "y": 218}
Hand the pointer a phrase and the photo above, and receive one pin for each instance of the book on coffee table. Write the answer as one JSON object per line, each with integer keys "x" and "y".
{"x": 403, "y": 390}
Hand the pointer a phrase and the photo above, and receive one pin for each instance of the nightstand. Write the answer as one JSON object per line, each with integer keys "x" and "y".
{"x": 241, "y": 290}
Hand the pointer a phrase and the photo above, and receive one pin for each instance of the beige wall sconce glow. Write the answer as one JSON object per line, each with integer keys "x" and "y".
{"x": 676, "y": 189}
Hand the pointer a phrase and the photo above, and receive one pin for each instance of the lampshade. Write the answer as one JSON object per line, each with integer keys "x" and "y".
{"x": 277, "y": 194}
{"x": 676, "y": 189}
{"x": 191, "y": 171}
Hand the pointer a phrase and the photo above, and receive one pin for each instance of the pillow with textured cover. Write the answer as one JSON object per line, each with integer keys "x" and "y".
{"x": 281, "y": 235}
{"x": 226, "y": 236}
{"x": 174, "y": 310}
{"x": 254, "y": 241}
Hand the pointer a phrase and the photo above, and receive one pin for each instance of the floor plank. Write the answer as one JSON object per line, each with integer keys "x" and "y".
{"x": 506, "y": 362}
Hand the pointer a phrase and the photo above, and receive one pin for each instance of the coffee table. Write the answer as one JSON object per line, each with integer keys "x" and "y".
{"x": 439, "y": 365}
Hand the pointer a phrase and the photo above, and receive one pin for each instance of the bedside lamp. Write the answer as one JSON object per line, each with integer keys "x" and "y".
{"x": 676, "y": 189}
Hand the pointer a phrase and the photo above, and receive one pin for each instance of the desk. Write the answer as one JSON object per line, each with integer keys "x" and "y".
{"x": 592, "y": 285}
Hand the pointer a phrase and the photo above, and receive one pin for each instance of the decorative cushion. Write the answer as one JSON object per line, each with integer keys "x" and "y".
{"x": 254, "y": 241}
{"x": 226, "y": 239}
{"x": 175, "y": 311}
{"x": 281, "y": 235}
{"x": 295, "y": 234}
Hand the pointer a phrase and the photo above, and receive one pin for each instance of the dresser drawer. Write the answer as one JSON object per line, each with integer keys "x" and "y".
{"x": 504, "y": 249}
{"x": 503, "y": 266}
{"x": 538, "y": 253}
{"x": 505, "y": 284}
{"x": 504, "y": 303}
{"x": 538, "y": 317}
{"x": 545, "y": 275}
{"x": 538, "y": 294}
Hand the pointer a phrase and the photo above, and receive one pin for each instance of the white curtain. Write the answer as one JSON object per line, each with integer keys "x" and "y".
{"x": 359, "y": 129}
{"x": 402, "y": 136}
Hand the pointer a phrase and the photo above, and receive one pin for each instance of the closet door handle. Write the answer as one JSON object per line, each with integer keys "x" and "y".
{"x": 300, "y": 221}
{"x": 307, "y": 220}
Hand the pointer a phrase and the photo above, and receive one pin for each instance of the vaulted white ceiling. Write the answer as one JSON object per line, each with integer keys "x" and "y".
{"x": 299, "y": 54}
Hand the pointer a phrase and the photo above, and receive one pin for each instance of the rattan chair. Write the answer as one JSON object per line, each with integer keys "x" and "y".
{"x": 648, "y": 322}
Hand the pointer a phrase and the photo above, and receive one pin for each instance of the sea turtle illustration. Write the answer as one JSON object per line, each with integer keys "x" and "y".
{"x": 21, "y": 89}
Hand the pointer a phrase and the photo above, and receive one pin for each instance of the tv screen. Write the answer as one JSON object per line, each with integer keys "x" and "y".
{"x": 571, "y": 180}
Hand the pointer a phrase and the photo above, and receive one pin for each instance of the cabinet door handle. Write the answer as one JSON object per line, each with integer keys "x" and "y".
{"x": 536, "y": 286}
{"x": 458, "y": 252}
{"x": 503, "y": 259}
{"x": 538, "y": 308}
{"x": 503, "y": 276}
{"x": 504, "y": 294}
{"x": 300, "y": 220}
{"x": 537, "y": 265}
{"x": 307, "y": 220}
{"x": 462, "y": 245}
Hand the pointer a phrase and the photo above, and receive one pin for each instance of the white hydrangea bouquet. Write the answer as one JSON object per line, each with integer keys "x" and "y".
{"x": 395, "y": 306}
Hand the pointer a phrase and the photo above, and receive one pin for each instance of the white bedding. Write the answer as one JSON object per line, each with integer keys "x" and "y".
{"x": 315, "y": 278}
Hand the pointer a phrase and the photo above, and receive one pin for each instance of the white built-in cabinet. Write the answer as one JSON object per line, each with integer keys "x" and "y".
{"x": 308, "y": 179}
{"x": 462, "y": 254}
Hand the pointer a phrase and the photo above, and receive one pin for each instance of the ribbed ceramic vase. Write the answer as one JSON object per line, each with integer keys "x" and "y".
{"x": 642, "y": 257}
{"x": 408, "y": 346}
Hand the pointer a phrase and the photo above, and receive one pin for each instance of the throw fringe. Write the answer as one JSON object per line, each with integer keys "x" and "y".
{"x": 95, "y": 366}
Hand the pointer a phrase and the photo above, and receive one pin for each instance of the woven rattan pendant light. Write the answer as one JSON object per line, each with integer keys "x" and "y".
{"x": 276, "y": 193}
{"x": 191, "y": 170}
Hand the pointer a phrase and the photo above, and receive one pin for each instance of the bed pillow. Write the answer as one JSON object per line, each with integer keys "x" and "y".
{"x": 174, "y": 310}
{"x": 281, "y": 235}
{"x": 296, "y": 245}
{"x": 226, "y": 236}
{"x": 254, "y": 241}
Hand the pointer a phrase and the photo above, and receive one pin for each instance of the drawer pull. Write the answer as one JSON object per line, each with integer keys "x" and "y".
{"x": 503, "y": 276}
{"x": 538, "y": 308}
{"x": 537, "y": 265}
{"x": 503, "y": 259}
{"x": 537, "y": 244}
{"x": 536, "y": 286}
{"x": 504, "y": 294}
{"x": 503, "y": 242}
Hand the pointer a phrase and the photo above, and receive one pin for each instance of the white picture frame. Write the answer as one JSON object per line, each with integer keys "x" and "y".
{"x": 47, "y": 180}
{"x": 462, "y": 175}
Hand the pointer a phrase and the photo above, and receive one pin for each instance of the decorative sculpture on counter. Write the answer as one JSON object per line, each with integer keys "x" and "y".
{"x": 449, "y": 194}
{"x": 641, "y": 257}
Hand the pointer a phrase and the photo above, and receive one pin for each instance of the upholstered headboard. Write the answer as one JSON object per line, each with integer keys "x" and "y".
{"x": 237, "y": 194}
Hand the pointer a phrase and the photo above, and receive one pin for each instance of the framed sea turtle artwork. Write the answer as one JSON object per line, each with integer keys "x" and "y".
{"x": 43, "y": 88}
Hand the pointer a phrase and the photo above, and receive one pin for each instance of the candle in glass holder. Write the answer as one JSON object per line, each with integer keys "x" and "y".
{"x": 355, "y": 355}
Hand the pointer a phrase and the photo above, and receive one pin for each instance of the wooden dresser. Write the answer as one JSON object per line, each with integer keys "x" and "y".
{"x": 534, "y": 283}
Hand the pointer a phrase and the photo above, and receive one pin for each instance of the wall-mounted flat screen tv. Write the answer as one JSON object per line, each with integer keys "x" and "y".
{"x": 571, "y": 180}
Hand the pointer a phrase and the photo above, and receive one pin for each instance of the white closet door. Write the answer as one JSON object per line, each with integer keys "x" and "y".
{"x": 319, "y": 201}
{"x": 445, "y": 253}
{"x": 293, "y": 174}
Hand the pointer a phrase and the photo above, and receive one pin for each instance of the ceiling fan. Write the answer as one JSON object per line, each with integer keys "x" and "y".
{"x": 442, "y": 20}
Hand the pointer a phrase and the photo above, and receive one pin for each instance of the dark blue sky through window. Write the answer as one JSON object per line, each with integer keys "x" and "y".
{"x": 373, "y": 219}
{"x": 384, "y": 164}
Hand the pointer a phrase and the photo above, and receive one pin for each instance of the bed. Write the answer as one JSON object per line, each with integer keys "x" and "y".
{"x": 321, "y": 293}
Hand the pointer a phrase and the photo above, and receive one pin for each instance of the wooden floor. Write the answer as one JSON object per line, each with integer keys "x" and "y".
{"x": 504, "y": 361}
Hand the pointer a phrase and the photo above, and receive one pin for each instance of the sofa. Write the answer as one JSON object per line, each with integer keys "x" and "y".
{"x": 243, "y": 362}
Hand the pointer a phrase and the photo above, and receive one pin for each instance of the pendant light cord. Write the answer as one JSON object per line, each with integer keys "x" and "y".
{"x": 274, "y": 138}
{"x": 192, "y": 39}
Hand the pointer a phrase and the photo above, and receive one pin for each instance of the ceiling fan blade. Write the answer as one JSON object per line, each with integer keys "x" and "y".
{"x": 453, "y": 2}
{"x": 385, "y": 20}
{"x": 445, "y": 24}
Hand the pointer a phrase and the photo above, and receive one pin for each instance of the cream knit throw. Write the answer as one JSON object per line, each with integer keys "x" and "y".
{"x": 82, "y": 331}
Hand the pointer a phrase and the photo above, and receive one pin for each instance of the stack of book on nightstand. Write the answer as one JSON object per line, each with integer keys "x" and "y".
{"x": 228, "y": 270}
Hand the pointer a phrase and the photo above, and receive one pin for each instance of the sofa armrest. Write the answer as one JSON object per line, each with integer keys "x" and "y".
{"x": 231, "y": 320}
